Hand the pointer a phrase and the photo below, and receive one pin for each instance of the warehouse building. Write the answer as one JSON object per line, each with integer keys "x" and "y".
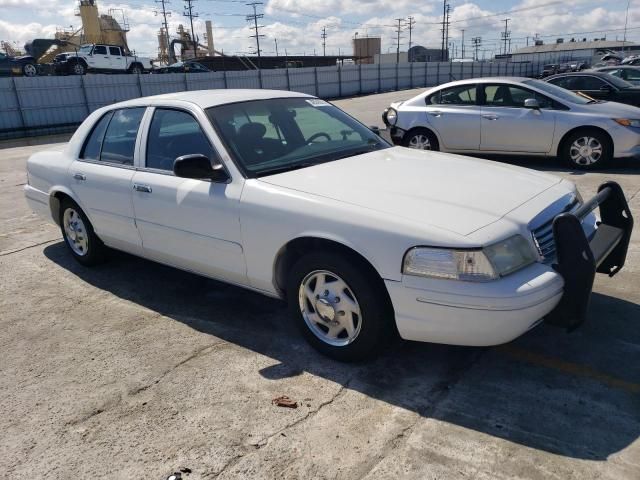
{"x": 563, "y": 51}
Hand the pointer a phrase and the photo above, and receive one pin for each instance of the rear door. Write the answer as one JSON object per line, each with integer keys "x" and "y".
{"x": 116, "y": 59}
{"x": 507, "y": 126}
{"x": 454, "y": 115}
{"x": 102, "y": 177}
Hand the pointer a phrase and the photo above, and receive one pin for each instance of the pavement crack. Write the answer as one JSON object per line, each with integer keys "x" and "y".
{"x": 10, "y": 252}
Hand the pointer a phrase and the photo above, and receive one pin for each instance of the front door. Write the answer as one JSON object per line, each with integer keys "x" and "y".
{"x": 102, "y": 178}
{"x": 99, "y": 58}
{"x": 455, "y": 116}
{"x": 507, "y": 126}
{"x": 192, "y": 224}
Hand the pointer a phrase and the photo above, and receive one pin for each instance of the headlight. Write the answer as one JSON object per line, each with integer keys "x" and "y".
{"x": 483, "y": 265}
{"x": 392, "y": 116}
{"x": 628, "y": 122}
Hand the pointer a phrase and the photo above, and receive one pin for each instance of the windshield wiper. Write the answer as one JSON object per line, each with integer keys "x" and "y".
{"x": 286, "y": 168}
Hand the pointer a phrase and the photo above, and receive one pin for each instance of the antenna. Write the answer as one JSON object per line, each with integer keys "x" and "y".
{"x": 255, "y": 27}
{"x": 188, "y": 12}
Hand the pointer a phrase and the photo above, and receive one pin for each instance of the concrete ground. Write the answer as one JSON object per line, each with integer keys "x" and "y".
{"x": 135, "y": 370}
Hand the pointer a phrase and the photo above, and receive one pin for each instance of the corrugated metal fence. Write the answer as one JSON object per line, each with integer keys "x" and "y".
{"x": 42, "y": 105}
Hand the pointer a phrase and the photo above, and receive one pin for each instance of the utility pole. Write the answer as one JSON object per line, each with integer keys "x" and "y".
{"x": 164, "y": 24}
{"x": 410, "y": 23}
{"x": 477, "y": 41}
{"x": 398, "y": 31}
{"x": 463, "y": 43}
{"x": 276, "y": 42}
{"x": 256, "y": 28}
{"x": 188, "y": 12}
{"x": 626, "y": 20}
{"x": 444, "y": 21}
{"x": 506, "y": 34}
{"x": 447, "y": 25}
{"x": 324, "y": 41}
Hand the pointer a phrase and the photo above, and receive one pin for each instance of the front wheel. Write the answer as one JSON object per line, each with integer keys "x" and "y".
{"x": 78, "y": 234}
{"x": 29, "y": 70}
{"x": 420, "y": 139}
{"x": 587, "y": 150}
{"x": 78, "y": 69}
{"x": 341, "y": 310}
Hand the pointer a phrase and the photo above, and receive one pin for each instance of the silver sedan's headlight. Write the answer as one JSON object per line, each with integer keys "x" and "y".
{"x": 392, "y": 116}
{"x": 482, "y": 265}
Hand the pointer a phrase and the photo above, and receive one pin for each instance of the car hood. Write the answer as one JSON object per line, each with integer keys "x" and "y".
{"x": 451, "y": 192}
{"x": 613, "y": 109}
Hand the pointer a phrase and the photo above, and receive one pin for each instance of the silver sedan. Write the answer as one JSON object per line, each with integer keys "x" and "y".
{"x": 516, "y": 116}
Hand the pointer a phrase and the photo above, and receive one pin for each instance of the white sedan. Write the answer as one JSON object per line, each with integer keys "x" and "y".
{"x": 285, "y": 194}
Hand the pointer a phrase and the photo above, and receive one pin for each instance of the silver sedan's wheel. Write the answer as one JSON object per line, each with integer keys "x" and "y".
{"x": 585, "y": 151}
{"x": 330, "y": 308}
{"x": 29, "y": 70}
{"x": 75, "y": 232}
{"x": 420, "y": 141}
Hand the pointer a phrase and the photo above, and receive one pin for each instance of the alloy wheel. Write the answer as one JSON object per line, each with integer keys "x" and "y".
{"x": 30, "y": 70}
{"x": 585, "y": 151}
{"x": 420, "y": 142}
{"x": 330, "y": 308}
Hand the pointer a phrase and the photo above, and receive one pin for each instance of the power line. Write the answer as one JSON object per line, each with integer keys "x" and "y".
{"x": 188, "y": 12}
{"x": 255, "y": 27}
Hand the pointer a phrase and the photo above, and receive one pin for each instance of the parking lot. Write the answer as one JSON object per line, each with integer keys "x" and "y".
{"x": 136, "y": 370}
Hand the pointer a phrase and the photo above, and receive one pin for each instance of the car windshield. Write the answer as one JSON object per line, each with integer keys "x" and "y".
{"x": 562, "y": 93}
{"x": 618, "y": 82}
{"x": 283, "y": 134}
{"x": 85, "y": 48}
{"x": 176, "y": 65}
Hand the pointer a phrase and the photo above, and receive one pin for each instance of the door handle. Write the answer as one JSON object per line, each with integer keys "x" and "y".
{"x": 490, "y": 117}
{"x": 79, "y": 176}
{"x": 435, "y": 113}
{"x": 142, "y": 188}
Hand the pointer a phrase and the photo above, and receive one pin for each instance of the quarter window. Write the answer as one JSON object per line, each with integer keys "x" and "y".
{"x": 461, "y": 95}
{"x": 93, "y": 145}
{"x": 120, "y": 139}
{"x": 172, "y": 134}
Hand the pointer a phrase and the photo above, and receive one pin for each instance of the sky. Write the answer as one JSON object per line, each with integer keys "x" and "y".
{"x": 297, "y": 25}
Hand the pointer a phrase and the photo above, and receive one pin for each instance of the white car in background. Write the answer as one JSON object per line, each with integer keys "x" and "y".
{"x": 284, "y": 194}
{"x": 508, "y": 115}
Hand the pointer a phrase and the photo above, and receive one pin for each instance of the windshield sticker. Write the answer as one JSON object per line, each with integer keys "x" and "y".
{"x": 316, "y": 102}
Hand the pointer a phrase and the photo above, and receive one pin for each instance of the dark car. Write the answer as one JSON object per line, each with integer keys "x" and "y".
{"x": 188, "y": 66}
{"x": 549, "y": 69}
{"x": 599, "y": 86}
{"x": 17, "y": 66}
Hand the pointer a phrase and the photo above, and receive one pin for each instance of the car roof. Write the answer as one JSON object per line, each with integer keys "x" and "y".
{"x": 214, "y": 97}
{"x": 513, "y": 80}
{"x": 582, "y": 73}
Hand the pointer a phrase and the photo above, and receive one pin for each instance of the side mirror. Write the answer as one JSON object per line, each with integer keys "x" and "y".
{"x": 532, "y": 103}
{"x": 199, "y": 167}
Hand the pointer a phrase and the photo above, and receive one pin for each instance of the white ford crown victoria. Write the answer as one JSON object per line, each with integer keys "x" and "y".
{"x": 287, "y": 195}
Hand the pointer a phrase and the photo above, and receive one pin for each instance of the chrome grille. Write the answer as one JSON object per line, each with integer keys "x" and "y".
{"x": 543, "y": 235}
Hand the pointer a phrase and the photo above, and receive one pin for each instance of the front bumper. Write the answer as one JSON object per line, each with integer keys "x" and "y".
{"x": 491, "y": 313}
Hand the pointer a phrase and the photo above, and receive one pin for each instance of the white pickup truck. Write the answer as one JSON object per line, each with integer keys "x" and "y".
{"x": 100, "y": 59}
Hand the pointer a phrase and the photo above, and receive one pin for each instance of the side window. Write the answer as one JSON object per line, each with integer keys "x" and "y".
{"x": 461, "y": 95}
{"x": 100, "y": 50}
{"x": 512, "y": 96}
{"x": 588, "y": 83}
{"x": 172, "y": 134}
{"x": 115, "y": 51}
{"x": 631, "y": 75}
{"x": 120, "y": 139}
{"x": 93, "y": 145}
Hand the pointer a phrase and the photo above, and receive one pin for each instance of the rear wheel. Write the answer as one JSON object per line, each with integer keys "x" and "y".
{"x": 29, "y": 70}
{"x": 420, "y": 139}
{"x": 587, "y": 150}
{"x": 78, "y": 234}
{"x": 341, "y": 311}
{"x": 135, "y": 69}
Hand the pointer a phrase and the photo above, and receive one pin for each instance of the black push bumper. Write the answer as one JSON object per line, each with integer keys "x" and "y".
{"x": 579, "y": 258}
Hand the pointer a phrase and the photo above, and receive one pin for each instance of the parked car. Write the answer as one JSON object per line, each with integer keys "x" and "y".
{"x": 625, "y": 72}
{"x": 98, "y": 58}
{"x": 550, "y": 69}
{"x": 188, "y": 66}
{"x": 285, "y": 194}
{"x": 599, "y": 86}
{"x": 631, "y": 60}
{"x": 577, "y": 66}
{"x": 521, "y": 116}
{"x": 24, "y": 65}
{"x": 611, "y": 59}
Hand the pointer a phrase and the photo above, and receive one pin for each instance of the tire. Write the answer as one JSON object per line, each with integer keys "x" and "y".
{"x": 360, "y": 301}
{"x": 29, "y": 70}
{"x": 135, "y": 69}
{"x": 579, "y": 150}
{"x": 78, "y": 234}
{"x": 77, "y": 68}
{"x": 421, "y": 139}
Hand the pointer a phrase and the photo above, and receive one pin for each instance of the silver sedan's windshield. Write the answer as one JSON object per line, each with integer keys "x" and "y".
{"x": 277, "y": 135}
{"x": 562, "y": 93}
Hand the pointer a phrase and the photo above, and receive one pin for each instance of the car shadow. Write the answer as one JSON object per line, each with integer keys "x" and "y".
{"x": 572, "y": 395}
